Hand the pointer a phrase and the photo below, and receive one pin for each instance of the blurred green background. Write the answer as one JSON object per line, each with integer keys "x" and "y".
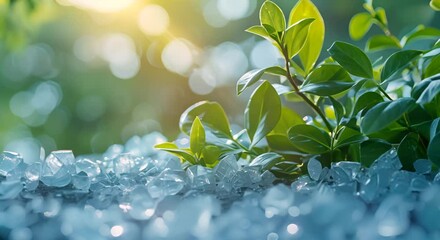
{"x": 85, "y": 74}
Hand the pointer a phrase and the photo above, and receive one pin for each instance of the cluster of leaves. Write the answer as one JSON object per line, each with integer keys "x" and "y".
{"x": 363, "y": 108}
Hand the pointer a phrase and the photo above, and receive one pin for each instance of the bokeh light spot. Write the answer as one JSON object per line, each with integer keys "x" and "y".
{"x": 153, "y": 20}
{"x": 177, "y": 56}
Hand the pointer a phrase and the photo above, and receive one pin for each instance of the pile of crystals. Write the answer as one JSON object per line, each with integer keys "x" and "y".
{"x": 135, "y": 192}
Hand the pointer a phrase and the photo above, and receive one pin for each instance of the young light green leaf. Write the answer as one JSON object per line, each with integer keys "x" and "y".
{"x": 211, "y": 155}
{"x": 262, "y": 112}
{"x": 288, "y": 119}
{"x": 309, "y": 53}
{"x": 359, "y": 25}
{"x": 396, "y": 62}
{"x": 197, "y": 137}
{"x": 352, "y": 59}
{"x": 248, "y": 79}
{"x": 429, "y": 93}
{"x": 409, "y": 150}
{"x": 309, "y": 139}
{"x": 326, "y": 80}
{"x": 272, "y": 18}
{"x": 383, "y": 114}
{"x": 435, "y": 4}
{"x": 258, "y": 30}
{"x": 296, "y": 36}
{"x": 266, "y": 160}
{"x": 211, "y": 115}
{"x": 276, "y": 70}
{"x": 183, "y": 154}
{"x": 381, "y": 16}
{"x": 381, "y": 42}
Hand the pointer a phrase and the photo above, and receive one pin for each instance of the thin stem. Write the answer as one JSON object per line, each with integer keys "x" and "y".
{"x": 292, "y": 81}
{"x": 384, "y": 92}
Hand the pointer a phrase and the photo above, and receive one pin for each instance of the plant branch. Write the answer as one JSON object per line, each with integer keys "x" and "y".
{"x": 384, "y": 92}
{"x": 293, "y": 81}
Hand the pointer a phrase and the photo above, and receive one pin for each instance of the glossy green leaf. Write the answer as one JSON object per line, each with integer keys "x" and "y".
{"x": 197, "y": 137}
{"x": 372, "y": 149}
{"x": 248, "y": 79}
{"x": 352, "y": 59}
{"x": 366, "y": 101}
{"x": 258, "y": 30}
{"x": 381, "y": 42}
{"x": 271, "y": 17}
{"x": 183, "y": 154}
{"x": 421, "y": 32}
{"x": 429, "y": 93}
{"x": 359, "y": 25}
{"x": 433, "y": 67}
{"x": 409, "y": 151}
{"x": 309, "y": 139}
{"x": 282, "y": 89}
{"x": 434, "y": 129}
{"x": 296, "y": 36}
{"x": 262, "y": 112}
{"x": 266, "y": 160}
{"x": 396, "y": 62}
{"x": 434, "y": 149}
{"x": 338, "y": 108}
{"x": 288, "y": 119}
{"x": 312, "y": 48}
{"x": 211, "y": 114}
{"x": 281, "y": 144}
{"x": 276, "y": 70}
{"x": 347, "y": 136}
{"x": 383, "y": 114}
{"x": 326, "y": 80}
{"x": 211, "y": 155}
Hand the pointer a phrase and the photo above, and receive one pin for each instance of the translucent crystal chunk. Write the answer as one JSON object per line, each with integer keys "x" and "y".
{"x": 8, "y": 162}
{"x": 169, "y": 182}
{"x": 314, "y": 168}
{"x": 128, "y": 163}
{"x": 423, "y": 166}
{"x": 10, "y": 189}
{"x": 81, "y": 181}
{"x": 57, "y": 168}
{"x": 88, "y": 166}
{"x": 226, "y": 168}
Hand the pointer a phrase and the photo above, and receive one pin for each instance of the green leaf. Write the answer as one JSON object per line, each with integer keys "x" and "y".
{"x": 276, "y": 70}
{"x": 309, "y": 139}
{"x": 372, "y": 149}
{"x": 326, "y": 80}
{"x": 211, "y": 155}
{"x": 262, "y": 112}
{"x": 353, "y": 59}
{"x": 433, "y": 67}
{"x": 211, "y": 114}
{"x": 197, "y": 137}
{"x": 381, "y": 42}
{"x": 383, "y": 114}
{"x": 266, "y": 160}
{"x": 312, "y": 47}
{"x": 434, "y": 149}
{"x": 430, "y": 93}
{"x": 396, "y": 62}
{"x": 381, "y": 16}
{"x": 347, "y": 136}
{"x": 421, "y": 32}
{"x": 409, "y": 151}
{"x": 248, "y": 79}
{"x": 435, "y": 4}
{"x": 366, "y": 101}
{"x": 359, "y": 25}
{"x": 288, "y": 119}
{"x": 434, "y": 129}
{"x": 272, "y": 18}
{"x": 281, "y": 144}
{"x": 281, "y": 89}
{"x": 183, "y": 154}
{"x": 338, "y": 108}
{"x": 258, "y": 30}
{"x": 296, "y": 36}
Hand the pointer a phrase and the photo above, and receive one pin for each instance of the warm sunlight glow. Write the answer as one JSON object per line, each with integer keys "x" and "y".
{"x": 104, "y": 6}
{"x": 153, "y": 20}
